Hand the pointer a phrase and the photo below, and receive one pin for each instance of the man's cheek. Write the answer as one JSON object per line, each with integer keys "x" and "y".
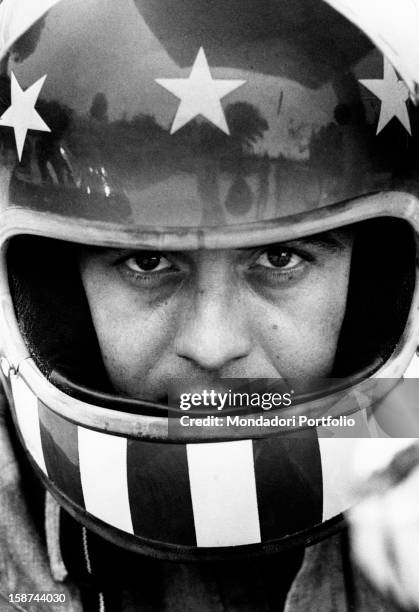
{"x": 303, "y": 345}
{"x": 144, "y": 348}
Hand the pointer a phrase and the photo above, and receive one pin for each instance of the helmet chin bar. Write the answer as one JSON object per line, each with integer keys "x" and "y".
{"x": 176, "y": 552}
{"x": 198, "y": 501}
{"x": 190, "y": 500}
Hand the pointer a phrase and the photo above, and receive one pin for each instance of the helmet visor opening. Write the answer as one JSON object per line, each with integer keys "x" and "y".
{"x": 62, "y": 324}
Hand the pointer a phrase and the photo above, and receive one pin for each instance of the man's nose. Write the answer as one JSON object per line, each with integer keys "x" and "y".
{"x": 213, "y": 333}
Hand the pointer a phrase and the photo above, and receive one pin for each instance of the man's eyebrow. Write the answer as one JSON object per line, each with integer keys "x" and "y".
{"x": 332, "y": 241}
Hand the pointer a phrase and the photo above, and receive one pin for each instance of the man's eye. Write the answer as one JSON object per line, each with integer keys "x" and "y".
{"x": 281, "y": 259}
{"x": 148, "y": 261}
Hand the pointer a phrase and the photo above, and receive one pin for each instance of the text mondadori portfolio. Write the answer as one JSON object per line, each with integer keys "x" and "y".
{"x": 263, "y": 421}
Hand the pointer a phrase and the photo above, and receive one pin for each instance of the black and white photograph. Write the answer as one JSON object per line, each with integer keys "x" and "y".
{"x": 209, "y": 305}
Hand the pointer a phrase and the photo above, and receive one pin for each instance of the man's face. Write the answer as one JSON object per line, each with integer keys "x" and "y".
{"x": 267, "y": 312}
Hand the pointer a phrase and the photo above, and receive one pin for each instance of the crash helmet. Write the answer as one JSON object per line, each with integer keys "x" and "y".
{"x": 193, "y": 126}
